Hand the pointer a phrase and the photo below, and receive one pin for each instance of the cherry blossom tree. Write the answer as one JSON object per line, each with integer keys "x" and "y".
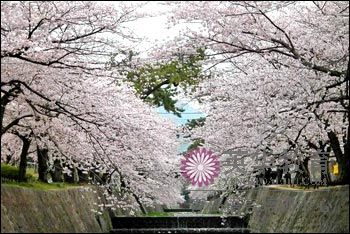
{"x": 58, "y": 98}
{"x": 69, "y": 38}
{"x": 282, "y": 77}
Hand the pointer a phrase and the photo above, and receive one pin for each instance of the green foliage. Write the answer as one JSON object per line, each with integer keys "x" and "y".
{"x": 159, "y": 214}
{"x": 41, "y": 185}
{"x": 9, "y": 172}
{"x": 9, "y": 176}
{"x": 159, "y": 83}
{"x": 196, "y": 143}
{"x": 193, "y": 123}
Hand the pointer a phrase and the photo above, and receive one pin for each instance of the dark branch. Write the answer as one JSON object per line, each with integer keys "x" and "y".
{"x": 13, "y": 123}
{"x": 155, "y": 88}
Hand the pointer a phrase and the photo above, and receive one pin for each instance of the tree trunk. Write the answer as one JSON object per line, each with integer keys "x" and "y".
{"x": 306, "y": 174}
{"x": 345, "y": 165}
{"x": 279, "y": 174}
{"x": 302, "y": 176}
{"x": 83, "y": 177}
{"x": 344, "y": 170}
{"x": 73, "y": 178}
{"x": 68, "y": 178}
{"x": 126, "y": 188}
{"x": 323, "y": 155}
{"x": 23, "y": 159}
{"x": 8, "y": 158}
{"x": 4, "y": 101}
{"x": 342, "y": 159}
{"x": 57, "y": 172}
{"x": 143, "y": 210}
{"x": 43, "y": 159}
{"x": 105, "y": 178}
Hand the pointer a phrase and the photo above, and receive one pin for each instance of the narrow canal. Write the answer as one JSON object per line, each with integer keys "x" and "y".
{"x": 180, "y": 224}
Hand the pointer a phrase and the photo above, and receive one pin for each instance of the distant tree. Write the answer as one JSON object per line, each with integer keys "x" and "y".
{"x": 194, "y": 123}
{"x": 159, "y": 83}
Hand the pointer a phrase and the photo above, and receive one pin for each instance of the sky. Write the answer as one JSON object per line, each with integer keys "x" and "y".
{"x": 189, "y": 113}
{"x": 153, "y": 29}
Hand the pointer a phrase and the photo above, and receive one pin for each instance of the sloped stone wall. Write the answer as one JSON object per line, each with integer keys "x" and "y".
{"x": 66, "y": 210}
{"x": 295, "y": 210}
{"x": 325, "y": 210}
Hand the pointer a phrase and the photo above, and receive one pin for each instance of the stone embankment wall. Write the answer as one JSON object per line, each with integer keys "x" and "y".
{"x": 61, "y": 210}
{"x": 295, "y": 210}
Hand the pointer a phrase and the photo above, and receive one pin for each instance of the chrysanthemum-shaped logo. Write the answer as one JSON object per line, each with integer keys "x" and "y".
{"x": 200, "y": 166}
